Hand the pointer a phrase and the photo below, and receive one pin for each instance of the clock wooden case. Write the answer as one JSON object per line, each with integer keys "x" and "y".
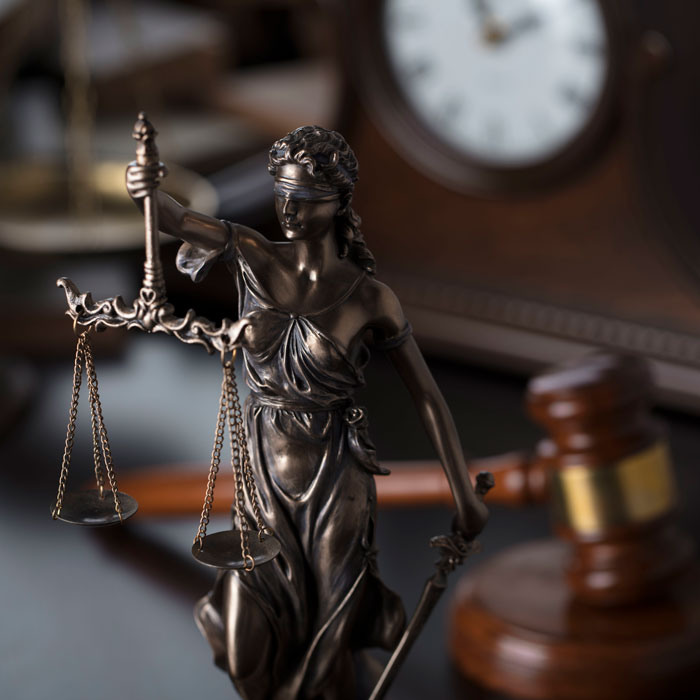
{"x": 523, "y": 260}
{"x": 491, "y": 97}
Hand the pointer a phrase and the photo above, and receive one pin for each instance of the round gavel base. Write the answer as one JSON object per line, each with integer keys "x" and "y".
{"x": 517, "y": 631}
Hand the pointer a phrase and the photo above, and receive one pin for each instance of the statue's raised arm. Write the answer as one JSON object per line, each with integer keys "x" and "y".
{"x": 151, "y": 311}
{"x": 174, "y": 219}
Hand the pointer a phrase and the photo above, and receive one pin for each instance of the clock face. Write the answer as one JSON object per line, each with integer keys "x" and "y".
{"x": 505, "y": 83}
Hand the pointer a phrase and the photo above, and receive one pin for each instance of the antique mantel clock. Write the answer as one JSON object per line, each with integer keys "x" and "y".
{"x": 535, "y": 160}
{"x": 493, "y": 96}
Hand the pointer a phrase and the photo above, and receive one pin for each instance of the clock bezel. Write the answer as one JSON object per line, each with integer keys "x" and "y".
{"x": 386, "y": 103}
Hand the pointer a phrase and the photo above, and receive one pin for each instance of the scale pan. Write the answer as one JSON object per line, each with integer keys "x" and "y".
{"x": 222, "y": 550}
{"x": 88, "y": 508}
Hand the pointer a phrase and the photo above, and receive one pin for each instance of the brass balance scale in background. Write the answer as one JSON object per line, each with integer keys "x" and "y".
{"x": 75, "y": 201}
{"x": 62, "y": 194}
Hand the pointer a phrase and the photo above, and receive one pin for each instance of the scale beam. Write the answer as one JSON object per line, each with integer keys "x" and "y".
{"x": 150, "y": 311}
{"x": 152, "y": 318}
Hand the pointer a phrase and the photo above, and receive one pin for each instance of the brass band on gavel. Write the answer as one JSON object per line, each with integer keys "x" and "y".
{"x": 636, "y": 489}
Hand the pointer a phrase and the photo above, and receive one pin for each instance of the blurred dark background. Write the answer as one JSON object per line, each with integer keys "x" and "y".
{"x": 528, "y": 177}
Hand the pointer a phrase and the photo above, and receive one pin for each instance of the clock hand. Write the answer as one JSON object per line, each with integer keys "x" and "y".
{"x": 491, "y": 30}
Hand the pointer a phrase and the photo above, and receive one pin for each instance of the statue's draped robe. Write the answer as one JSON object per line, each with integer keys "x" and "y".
{"x": 314, "y": 467}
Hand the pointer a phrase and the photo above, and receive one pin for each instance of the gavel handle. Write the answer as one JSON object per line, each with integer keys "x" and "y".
{"x": 176, "y": 490}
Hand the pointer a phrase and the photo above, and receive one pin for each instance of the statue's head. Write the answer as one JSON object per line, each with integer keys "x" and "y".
{"x": 314, "y": 164}
{"x": 324, "y": 154}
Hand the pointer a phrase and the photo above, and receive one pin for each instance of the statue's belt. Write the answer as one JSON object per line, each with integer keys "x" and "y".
{"x": 300, "y": 406}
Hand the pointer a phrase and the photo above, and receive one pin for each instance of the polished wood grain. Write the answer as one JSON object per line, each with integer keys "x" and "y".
{"x": 564, "y": 245}
{"x": 535, "y": 640}
{"x": 610, "y": 609}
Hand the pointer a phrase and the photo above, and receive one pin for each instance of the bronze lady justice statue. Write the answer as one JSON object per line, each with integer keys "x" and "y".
{"x": 291, "y": 628}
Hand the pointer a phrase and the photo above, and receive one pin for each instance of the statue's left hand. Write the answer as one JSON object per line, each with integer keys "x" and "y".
{"x": 471, "y": 523}
{"x": 484, "y": 483}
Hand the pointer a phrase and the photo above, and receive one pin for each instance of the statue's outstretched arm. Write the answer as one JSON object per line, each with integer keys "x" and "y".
{"x": 199, "y": 229}
{"x": 435, "y": 415}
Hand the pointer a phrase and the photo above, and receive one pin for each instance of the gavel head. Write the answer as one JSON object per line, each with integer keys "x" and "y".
{"x": 595, "y": 408}
{"x": 611, "y": 482}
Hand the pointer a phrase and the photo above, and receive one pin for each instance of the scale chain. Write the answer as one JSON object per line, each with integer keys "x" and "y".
{"x": 230, "y": 417}
{"x": 96, "y": 410}
{"x": 70, "y": 434}
{"x": 245, "y": 463}
{"x": 236, "y": 460}
{"x": 94, "y": 420}
{"x": 214, "y": 467}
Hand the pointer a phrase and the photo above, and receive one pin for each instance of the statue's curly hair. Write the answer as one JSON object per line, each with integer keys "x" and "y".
{"x": 326, "y": 156}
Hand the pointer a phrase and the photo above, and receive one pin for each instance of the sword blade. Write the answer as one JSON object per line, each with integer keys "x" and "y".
{"x": 432, "y": 591}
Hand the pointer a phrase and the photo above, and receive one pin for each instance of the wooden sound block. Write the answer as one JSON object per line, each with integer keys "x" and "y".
{"x": 516, "y": 629}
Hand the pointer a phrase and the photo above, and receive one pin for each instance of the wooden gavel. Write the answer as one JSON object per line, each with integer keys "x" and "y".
{"x": 610, "y": 608}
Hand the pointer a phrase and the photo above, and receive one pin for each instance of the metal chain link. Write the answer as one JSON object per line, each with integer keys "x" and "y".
{"x": 230, "y": 416}
{"x": 245, "y": 463}
{"x": 70, "y": 434}
{"x": 214, "y": 467}
{"x": 94, "y": 420}
{"x": 236, "y": 447}
{"x": 96, "y": 411}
